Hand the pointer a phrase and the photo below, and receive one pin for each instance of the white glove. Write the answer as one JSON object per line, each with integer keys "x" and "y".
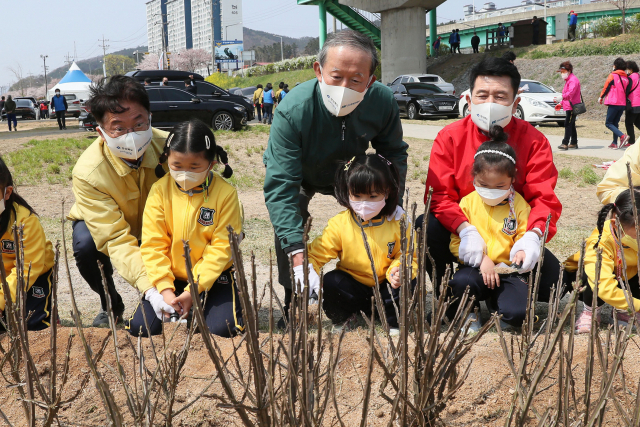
{"x": 530, "y": 244}
{"x": 472, "y": 246}
{"x": 314, "y": 279}
{"x": 157, "y": 302}
{"x": 397, "y": 215}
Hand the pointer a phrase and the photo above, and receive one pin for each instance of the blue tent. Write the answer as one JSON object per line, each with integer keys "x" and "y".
{"x": 74, "y": 82}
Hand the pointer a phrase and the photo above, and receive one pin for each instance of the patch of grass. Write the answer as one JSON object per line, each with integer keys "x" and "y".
{"x": 426, "y": 158}
{"x": 588, "y": 175}
{"x": 289, "y": 77}
{"x": 48, "y": 161}
{"x": 245, "y": 132}
{"x": 566, "y": 173}
{"x": 243, "y": 181}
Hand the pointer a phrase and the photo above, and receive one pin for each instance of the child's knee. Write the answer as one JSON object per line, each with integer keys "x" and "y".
{"x": 513, "y": 315}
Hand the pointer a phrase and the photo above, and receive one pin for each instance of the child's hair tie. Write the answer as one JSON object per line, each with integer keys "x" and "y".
{"x": 348, "y": 165}
{"x": 496, "y": 152}
{"x": 207, "y": 142}
{"x": 388, "y": 162}
{"x": 169, "y": 140}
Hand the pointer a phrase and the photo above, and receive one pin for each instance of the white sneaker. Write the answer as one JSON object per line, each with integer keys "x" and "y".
{"x": 338, "y": 327}
{"x": 475, "y": 323}
{"x": 394, "y": 332}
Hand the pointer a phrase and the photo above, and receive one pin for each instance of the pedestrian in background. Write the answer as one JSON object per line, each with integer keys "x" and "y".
{"x": 632, "y": 115}
{"x": 452, "y": 41}
{"x": 535, "y": 26}
{"x": 573, "y": 22}
{"x": 475, "y": 42}
{"x": 570, "y": 95}
{"x": 10, "y": 109}
{"x": 501, "y": 33}
{"x": 2, "y": 101}
{"x": 268, "y": 98}
{"x": 436, "y": 47}
{"x": 43, "y": 110}
{"x": 457, "y": 44}
{"x": 59, "y": 104}
{"x": 285, "y": 91}
{"x": 257, "y": 101}
{"x": 278, "y": 92}
{"x": 614, "y": 96}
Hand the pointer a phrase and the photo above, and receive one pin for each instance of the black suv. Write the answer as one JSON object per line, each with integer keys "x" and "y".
{"x": 170, "y": 106}
{"x": 204, "y": 89}
{"x": 418, "y": 100}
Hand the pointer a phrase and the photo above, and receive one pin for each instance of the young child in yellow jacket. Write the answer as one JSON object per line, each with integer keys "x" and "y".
{"x": 194, "y": 204}
{"x": 614, "y": 248}
{"x": 499, "y": 214}
{"x": 38, "y": 251}
{"x": 368, "y": 187}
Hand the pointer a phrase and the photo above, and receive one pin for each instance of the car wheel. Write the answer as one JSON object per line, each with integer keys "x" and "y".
{"x": 519, "y": 113}
{"x": 560, "y": 123}
{"x": 222, "y": 121}
{"x": 412, "y": 113}
{"x": 465, "y": 111}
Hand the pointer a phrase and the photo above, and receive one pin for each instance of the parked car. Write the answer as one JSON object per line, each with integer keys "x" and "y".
{"x": 170, "y": 105}
{"x": 418, "y": 100}
{"x": 246, "y": 92}
{"x": 74, "y": 106}
{"x": 425, "y": 78}
{"x": 205, "y": 90}
{"x": 86, "y": 120}
{"x": 25, "y": 109}
{"x": 537, "y": 105}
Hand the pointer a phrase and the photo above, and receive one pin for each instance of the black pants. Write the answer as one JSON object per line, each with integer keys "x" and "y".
{"x": 631, "y": 119}
{"x": 343, "y": 296}
{"x": 509, "y": 300}
{"x": 587, "y": 296}
{"x": 475, "y": 48}
{"x": 60, "y": 115}
{"x": 570, "y": 133}
{"x": 87, "y": 257}
{"x": 268, "y": 112}
{"x": 438, "y": 239}
{"x": 222, "y": 309}
{"x": 38, "y": 304}
{"x": 258, "y": 112}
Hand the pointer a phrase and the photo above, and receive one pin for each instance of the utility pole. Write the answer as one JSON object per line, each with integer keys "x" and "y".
{"x": 104, "y": 53}
{"x": 213, "y": 44}
{"x": 68, "y": 61}
{"x": 75, "y": 53}
{"x": 44, "y": 59}
{"x": 281, "y": 50}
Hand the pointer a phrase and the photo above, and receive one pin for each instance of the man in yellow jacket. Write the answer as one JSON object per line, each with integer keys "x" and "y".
{"x": 257, "y": 101}
{"x": 111, "y": 182}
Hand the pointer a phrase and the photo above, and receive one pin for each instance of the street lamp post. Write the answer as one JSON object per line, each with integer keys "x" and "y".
{"x": 44, "y": 59}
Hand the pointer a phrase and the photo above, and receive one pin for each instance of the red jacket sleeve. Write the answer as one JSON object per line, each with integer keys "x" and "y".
{"x": 538, "y": 191}
{"x": 446, "y": 197}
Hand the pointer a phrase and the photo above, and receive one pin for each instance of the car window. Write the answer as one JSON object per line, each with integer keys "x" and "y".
{"x": 207, "y": 89}
{"x": 428, "y": 79}
{"x": 424, "y": 90}
{"x": 154, "y": 95}
{"x": 405, "y": 79}
{"x": 69, "y": 97}
{"x": 396, "y": 81}
{"x": 171, "y": 94}
{"x": 401, "y": 88}
{"x": 535, "y": 87}
{"x": 23, "y": 103}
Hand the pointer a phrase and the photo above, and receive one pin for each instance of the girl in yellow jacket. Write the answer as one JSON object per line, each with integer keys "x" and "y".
{"x": 499, "y": 214}
{"x": 193, "y": 204}
{"x": 614, "y": 248}
{"x": 38, "y": 251}
{"x": 368, "y": 187}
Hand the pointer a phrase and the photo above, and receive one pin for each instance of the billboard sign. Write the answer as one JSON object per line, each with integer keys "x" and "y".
{"x": 229, "y": 51}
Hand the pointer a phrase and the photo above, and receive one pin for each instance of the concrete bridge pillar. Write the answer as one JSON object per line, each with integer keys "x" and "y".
{"x": 404, "y": 49}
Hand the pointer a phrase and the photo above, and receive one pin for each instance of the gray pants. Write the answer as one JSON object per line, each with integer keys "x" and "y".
{"x": 284, "y": 276}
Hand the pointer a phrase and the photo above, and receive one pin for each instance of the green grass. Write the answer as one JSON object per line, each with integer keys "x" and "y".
{"x": 49, "y": 161}
{"x": 566, "y": 173}
{"x": 247, "y": 131}
{"x": 289, "y": 77}
{"x": 588, "y": 176}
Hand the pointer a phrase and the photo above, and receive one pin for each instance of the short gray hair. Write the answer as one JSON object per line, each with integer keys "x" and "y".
{"x": 354, "y": 40}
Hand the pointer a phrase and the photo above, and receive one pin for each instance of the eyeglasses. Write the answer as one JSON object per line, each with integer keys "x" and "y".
{"x": 118, "y": 131}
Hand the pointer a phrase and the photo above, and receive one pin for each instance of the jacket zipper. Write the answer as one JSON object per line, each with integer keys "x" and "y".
{"x": 490, "y": 245}
{"x": 344, "y": 127}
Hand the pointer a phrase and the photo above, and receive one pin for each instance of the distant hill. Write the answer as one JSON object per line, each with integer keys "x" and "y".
{"x": 255, "y": 38}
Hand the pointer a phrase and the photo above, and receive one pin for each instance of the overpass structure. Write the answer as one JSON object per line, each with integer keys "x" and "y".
{"x": 557, "y": 23}
{"x": 397, "y": 27}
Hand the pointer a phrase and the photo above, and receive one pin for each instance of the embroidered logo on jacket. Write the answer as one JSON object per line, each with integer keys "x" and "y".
{"x": 8, "y": 247}
{"x": 391, "y": 246}
{"x": 206, "y": 216}
{"x": 38, "y": 292}
{"x": 223, "y": 279}
{"x": 510, "y": 226}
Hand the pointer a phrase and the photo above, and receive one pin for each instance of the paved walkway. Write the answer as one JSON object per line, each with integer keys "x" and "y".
{"x": 589, "y": 147}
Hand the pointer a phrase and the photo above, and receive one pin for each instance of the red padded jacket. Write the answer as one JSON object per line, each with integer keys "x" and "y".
{"x": 450, "y": 172}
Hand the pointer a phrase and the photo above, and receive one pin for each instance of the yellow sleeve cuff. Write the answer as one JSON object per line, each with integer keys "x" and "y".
{"x": 143, "y": 284}
{"x": 2, "y": 302}
{"x": 165, "y": 283}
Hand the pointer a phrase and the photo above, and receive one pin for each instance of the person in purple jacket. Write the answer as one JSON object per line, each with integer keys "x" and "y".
{"x": 570, "y": 96}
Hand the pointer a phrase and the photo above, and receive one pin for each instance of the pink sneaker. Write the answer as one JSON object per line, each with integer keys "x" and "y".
{"x": 624, "y": 317}
{"x": 583, "y": 324}
{"x": 623, "y": 140}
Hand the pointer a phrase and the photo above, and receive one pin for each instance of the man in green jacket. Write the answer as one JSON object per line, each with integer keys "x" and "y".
{"x": 320, "y": 123}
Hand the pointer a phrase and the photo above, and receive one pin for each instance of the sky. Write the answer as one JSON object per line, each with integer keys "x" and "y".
{"x": 54, "y": 26}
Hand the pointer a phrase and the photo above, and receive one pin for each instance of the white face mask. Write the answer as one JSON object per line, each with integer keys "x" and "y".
{"x": 187, "y": 179}
{"x": 367, "y": 210}
{"x": 57, "y": 93}
{"x": 340, "y": 100}
{"x": 489, "y": 114}
{"x": 493, "y": 196}
{"x": 565, "y": 76}
{"x": 131, "y": 145}
{"x": 2, "y": 205}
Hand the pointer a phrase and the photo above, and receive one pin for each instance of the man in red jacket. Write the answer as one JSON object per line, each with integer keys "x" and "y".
{"x": 494, "y": 85}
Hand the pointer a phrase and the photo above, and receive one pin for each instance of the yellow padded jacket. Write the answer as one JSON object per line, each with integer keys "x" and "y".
{"x": 342, "y": 239}
{"x": 608, "y": 289}
{"x": 172, "y": 215}
{"x": 493, "y": 225}
{"x": 615, "y": 181}
{"x": 37, "y": 250}
{"x": 110, "y": 198}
